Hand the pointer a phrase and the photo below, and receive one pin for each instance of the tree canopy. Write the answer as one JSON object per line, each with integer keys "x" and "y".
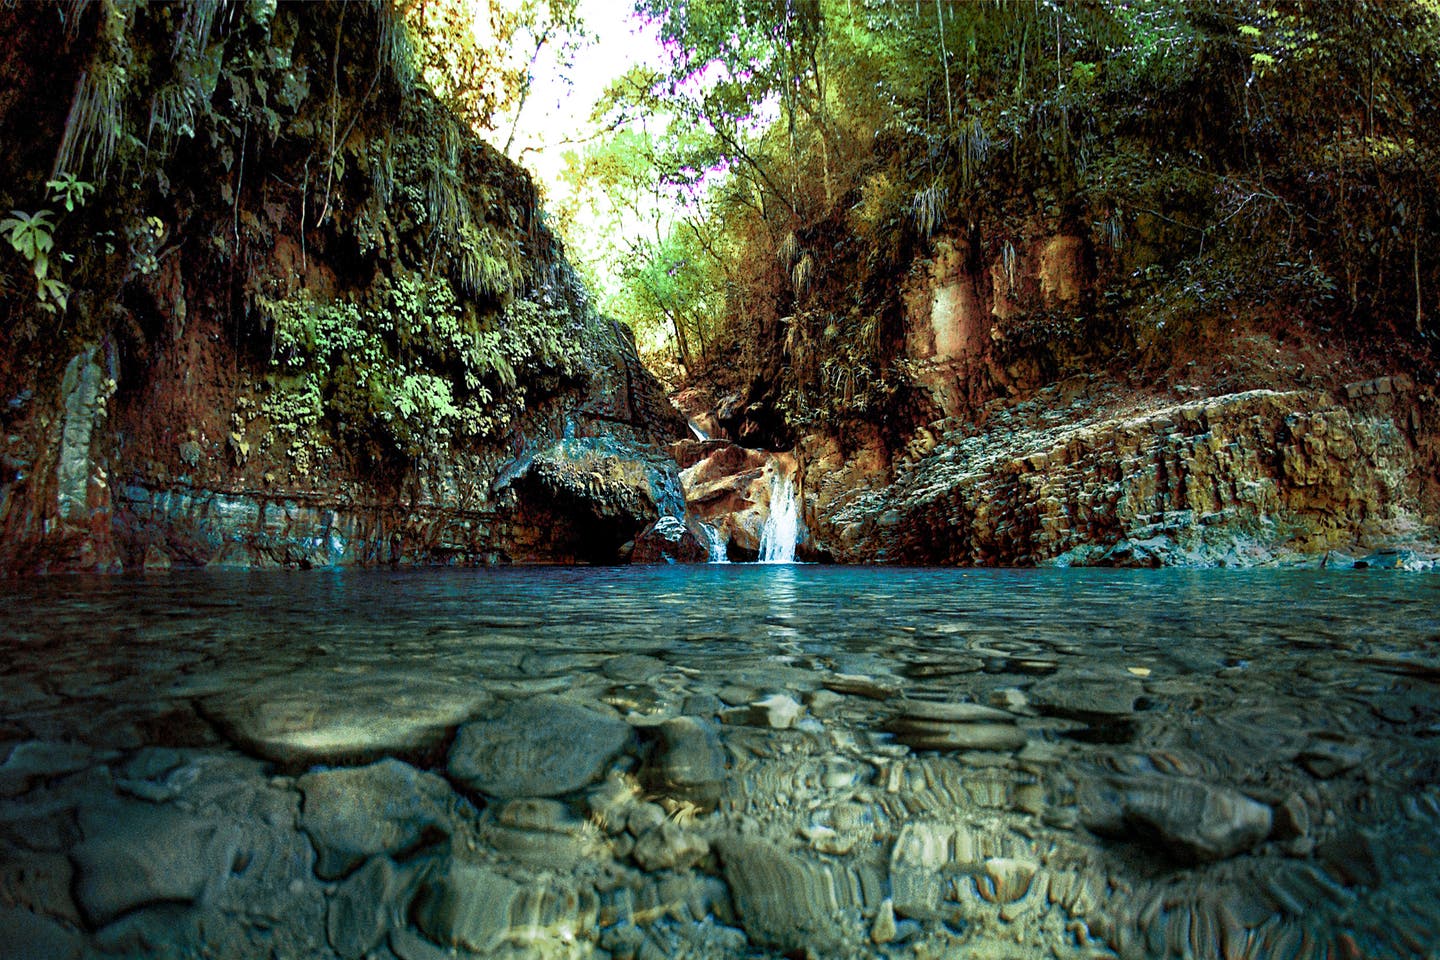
{"x": 1219, "y": 156}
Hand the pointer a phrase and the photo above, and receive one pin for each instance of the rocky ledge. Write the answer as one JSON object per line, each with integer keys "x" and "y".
{"x": 1242, "y": 479}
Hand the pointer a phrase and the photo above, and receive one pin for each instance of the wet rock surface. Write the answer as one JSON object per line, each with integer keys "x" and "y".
{"x": 1076, "y": 476}
{"x": 536, "y": 748}
{"x": 796, "y": 773}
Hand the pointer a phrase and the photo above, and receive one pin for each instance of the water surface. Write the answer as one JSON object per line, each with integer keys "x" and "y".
{"x": 726, "y": 760}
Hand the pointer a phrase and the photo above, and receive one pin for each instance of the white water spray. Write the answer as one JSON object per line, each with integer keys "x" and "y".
{"x": 717, "y": 542}
{"x": 781, "y": 532}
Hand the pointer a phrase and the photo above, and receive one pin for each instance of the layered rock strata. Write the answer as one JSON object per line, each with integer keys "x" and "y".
{"x": 1236, "y": 480}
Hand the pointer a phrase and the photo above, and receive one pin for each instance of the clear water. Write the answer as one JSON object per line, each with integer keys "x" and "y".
{"x": 1313, "y": 695}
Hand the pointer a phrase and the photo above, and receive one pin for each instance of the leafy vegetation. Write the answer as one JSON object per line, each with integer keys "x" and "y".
{"x": 407, "y": 370}
{"x": 1251, "y": 159}
{"x": 308, "y": 178}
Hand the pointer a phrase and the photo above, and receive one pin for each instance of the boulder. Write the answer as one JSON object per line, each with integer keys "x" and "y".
{"x": 543, "y": 747}
{"x": 355, "y": 813}
{"x": 300, "y": 719}
{"x": 138, "y": 853}
{"x": 1188, "y": 819}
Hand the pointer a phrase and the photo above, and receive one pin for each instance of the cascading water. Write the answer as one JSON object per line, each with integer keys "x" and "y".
{"x": 717, "y": 542}
{"x": 781, "y": 532}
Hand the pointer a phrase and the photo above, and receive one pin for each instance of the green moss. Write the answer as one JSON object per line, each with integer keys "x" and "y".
{"x": 408, "y": 369}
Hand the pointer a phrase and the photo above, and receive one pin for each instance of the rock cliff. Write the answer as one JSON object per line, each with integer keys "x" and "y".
{"x": 1016, "y": 439}
{"x": 305, "y": 317}
{"x": 1235, "y": 480}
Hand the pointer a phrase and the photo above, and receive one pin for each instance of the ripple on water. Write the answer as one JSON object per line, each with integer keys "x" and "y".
{"x": 726, "y": 761}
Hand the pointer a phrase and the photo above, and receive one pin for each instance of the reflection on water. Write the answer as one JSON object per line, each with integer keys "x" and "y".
{"x": 722, "y": 761}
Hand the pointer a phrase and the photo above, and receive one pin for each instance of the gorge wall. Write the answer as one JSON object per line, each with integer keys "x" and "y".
{"x": 304, "y": 317}
{"x": 1046, "y": 457}
{"x": 1249, "y": 446}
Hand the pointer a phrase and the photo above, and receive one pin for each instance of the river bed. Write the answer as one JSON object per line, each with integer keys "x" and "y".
{"x": 722, "y": 761}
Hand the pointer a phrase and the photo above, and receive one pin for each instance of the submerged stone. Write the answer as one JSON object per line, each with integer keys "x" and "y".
{"x": 299, "y": 720}
{"x": 360, "y": 913}
{"x": 792, "y": 902}
{"x": 474, "y": 906}
{"x": 543, "y": 747}
{"x": 1190, "y": 819}
{"x": 387, "y": 807}
{"x": 692, "y": 762}
{"x": 936, "y": 735}
{"x": 137, "y": 853}
{"x": 1085, "y": 697}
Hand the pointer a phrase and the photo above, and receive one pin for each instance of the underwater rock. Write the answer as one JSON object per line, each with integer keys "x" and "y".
{"x": 936, "y": 735}
{"x": 360, "y": 912}
{"x": 1084, "y": 697}
{"x": 1190, "y": 819}
{"x": 38, "y": 759}
{"x": 340, "y": 719}
{"x": 692, "y": 763}
{"x": 138, "y": 853}
{"x": 670, "y": 847}
{"x": 953, "y": 712}
{"x": 28, "y": 935}
{"x": 466, "y": 905}
{"x": 352, "y": 814}
{"x": 541, "y": 747}
{"x": 472, "y": 905}
{"x": 1005, "y": 879}
{"x": 777, "y": 711}
{"x": 790, "y": 902}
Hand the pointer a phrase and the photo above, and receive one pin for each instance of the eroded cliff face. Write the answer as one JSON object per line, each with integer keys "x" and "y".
{"x": 311, "y": 319}
{"x": 1014, "y": 444}
{"x": 1236, "y": 480}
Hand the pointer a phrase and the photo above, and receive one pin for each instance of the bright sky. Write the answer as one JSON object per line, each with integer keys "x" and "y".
{"x": 561, "y": 97}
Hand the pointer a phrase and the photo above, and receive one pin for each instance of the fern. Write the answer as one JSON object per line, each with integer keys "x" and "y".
{"x": 974, "y": 146}
{"x": 445, "y": 202}
{"x": 394, "y": 46}
{"x": 788, "y": 251}
{"x": 802, "y": 274}
{"x": 195, "y": 29}
{"x": 95, "y": 121}
{"x": 929, "y": 207}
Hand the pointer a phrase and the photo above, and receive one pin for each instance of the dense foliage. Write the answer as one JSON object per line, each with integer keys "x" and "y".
{"x": 310, "y": 173}
{"x": 1257, "y": 161}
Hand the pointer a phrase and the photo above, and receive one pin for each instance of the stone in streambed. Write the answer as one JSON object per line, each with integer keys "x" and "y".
{"x": 40, "y": 759}
{"x": 30, "y": 936}
{"x": 1191, "y": 819}
{"x": 691, "y": 762}
{"x": 474, "y": 906}
{"x": 300, "y": 720}
{"x": 670, "y": 847}
{"x": 953, "y": 712}
{"x": 1086, "y": 697}
{"x": 361, "y": 911}
{"x": 137, "y": 853}
{"x": 792, "y": 902}
{"x": 939, "y": 735}
{"x": 543, "y": 747}
{"x": 778, "y": 711}
{"x": 353, "y": 814}
{"x": 466, "y": 905}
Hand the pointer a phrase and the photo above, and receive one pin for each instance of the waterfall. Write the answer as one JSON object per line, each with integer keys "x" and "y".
{"x": 695, "y": 429}
{"x": 717, "y": 542}
{"x": 781, "y": 531}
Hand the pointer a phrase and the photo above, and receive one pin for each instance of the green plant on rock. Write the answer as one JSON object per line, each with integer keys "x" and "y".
{"x": 33, "y": 237}
{"x": 69, "y": 190}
